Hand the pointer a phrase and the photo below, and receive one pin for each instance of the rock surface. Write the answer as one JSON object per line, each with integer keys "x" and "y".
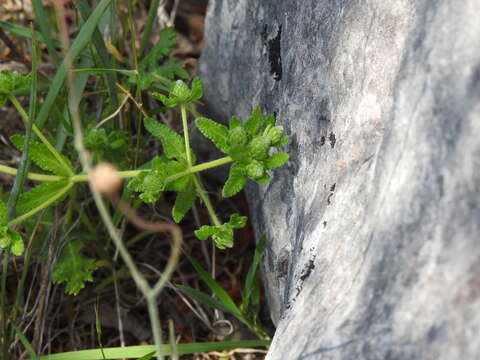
{"x": 373, "y": 228}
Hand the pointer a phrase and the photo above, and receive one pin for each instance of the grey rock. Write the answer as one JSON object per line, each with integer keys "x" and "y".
{"x": 373, "y": 228}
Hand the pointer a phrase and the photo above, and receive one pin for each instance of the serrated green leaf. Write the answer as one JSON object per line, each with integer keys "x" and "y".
{"x": 40, "y": 194}
{"x": 276, "y": 160}
{"x": 253, "y": 122}
{"x": 205, "y": 232}
{"x": 223, "y": 238}
{"x": 168, "y": 102}
{"x": 172, "y": 68}
{"x": 17, "y": 244}
{"x": 172, "y": 143}
{"x": 164, "y": 46}
{"x": 150, "y": 196}
{"x": 214, "y": 131}
{"x": 175, "y": 167}
{"x": 233, "y": 122}
{"x": 283, "y": 141}
{"x": 10, "y": 81}
{"x": 237, "y": 222}
{"x": 183, "y": 203}
{"x": 239, "y": 153}
{"x": 267, "y": 121}
{"x": 197, "y": 89}
{"x": 42, "y": 156}
{"x": 236, "y": 180}
{"x": 180, "y": 91}
{"x": 72, "y": 268}
{"x": 5, "y": 238}
{"x": 264, "y": 179}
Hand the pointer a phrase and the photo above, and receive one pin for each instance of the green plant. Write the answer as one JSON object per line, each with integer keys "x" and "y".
{"x": 60, "y": 169}
{"x": 247, "y": 312}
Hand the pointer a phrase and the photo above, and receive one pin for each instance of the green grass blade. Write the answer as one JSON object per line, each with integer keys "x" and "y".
{"x": 26, "y": 344}
{"x": 23, "y": 32}
{"x": 96, "y": 71}
{"x": 222, "y": 295}
{"x": 104, "y": 57}
{"x": 152, "y": 12}
{"x": 132, "y": 352}
{"x": 206, "y": 299}
{"x": 82, "y": 40}
{"x": 250, "y": 280}
{"x": 42, "y": 20}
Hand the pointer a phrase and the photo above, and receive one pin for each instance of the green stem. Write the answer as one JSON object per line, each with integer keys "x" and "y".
{"x": 42, "y": 206}
{"x": 201, "y": 192}
{"x": 32, "y": 176}
{"x": 183, "y": 111}
{"x": 207, "y": 202}
{"x": 37, "y": 132}
{"x": 122, "y": 174}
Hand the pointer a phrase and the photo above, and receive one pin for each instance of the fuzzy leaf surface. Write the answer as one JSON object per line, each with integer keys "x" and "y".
{"x": 42, "y": 156}
{"x": 164, "y": 46}
{"x": 72, "y": 268}
{"x": 276, "y": 160}
{"x": 236, "y": 180}
{"x": 183, "y": 203}
{"x": 172, "y": 143}
{"x": 10, "y": 81}
{"x": 17, "y": 244}
{"x": 214, "y": 131}
{"x": 40, "y": 194}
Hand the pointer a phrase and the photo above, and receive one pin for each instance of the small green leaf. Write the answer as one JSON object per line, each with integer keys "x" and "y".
{"x": 164, "y": 46}
{"x": 197, "y": 90}
{"x": 223, "y": 238}
{"x": 170, "y": 69}
{"x": 237, "y": 222}
{"x": 275, "y": 134}
{"x": 258, "y": 147}
{"x": 42, "y": 156}
{"x": 72, "y": 268}
{"x": 264, "y": 179}
{"x": 236, "y": 180}
{"x": 253, "y": 122}
{"x": 255, "y": 170}
{"x": 276, "y": 160}
{"x": 239, "y": 153}
{"x": 214, "y": 131}
{"x": 17, "y": 243}
{"x": 5, "y": 238}
{"x": 238, "y": 136}
{"x": 205, "y": 232}
{"x": 39, "y": 195}
{"x": 172, "y": 143}
{"x": 283, "y": 141}
{"x": 11, "y": 81}
{"x": 183, "y": 203}
{"x": 233, "y": 122}
{"x": 181, "y": 92}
